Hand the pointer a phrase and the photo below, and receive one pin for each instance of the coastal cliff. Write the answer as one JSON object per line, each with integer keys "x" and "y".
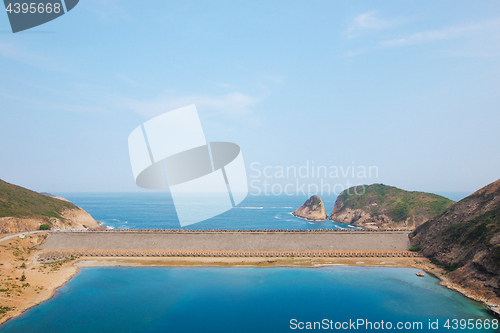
{"x": 465, "y": 241}
{"x": 312, "y": 209}
{"x": 25, "y": 210}
{"x": 379, "y": 206}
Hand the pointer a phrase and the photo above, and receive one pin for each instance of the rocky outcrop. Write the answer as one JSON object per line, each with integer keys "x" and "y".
{"x": 465, "y": 240}
{"x": 71, "y": 219}
{"x": 312, "y": 209}
{"x": 379, "y": 206}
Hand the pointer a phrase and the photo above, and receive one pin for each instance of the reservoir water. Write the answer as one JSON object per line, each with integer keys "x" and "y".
{"x": 199, "y": 299}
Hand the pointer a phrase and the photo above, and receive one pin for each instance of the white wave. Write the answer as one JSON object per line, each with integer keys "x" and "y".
{"x": 250, "y": 207}
{"x": 280, "y": 207}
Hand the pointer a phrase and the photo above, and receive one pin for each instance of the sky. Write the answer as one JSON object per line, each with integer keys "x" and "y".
{"x": 410, "y": 89}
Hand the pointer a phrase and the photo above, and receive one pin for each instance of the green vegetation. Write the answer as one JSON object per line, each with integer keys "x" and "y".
{"x": 17, "y": 201}
{"x": 466, "y": 236}
{"x": 447, "y": 268}
{"x": 396, "y": 203}
{"x": 44, "y": 227}
{"x": 477, "y": 232}
{"x": 413, "y": 248}
{"x": 4, "y": 309}
{"x": 315, "y": 200}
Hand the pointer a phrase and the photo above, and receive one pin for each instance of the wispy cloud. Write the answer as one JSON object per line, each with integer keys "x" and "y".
{"x": 17, "y": 52}
{"x": 441, "y": 34}
{"x": 233, "y": 104}
{"x": 484, "y": 35}
{"x": 14, "y": 51}
{"x": 366, "y": 22}
{"x": 109, "y": 10}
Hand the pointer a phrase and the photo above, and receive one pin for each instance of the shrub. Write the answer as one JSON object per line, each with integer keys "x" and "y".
{"x": 45, "y": 227}
{"x": 413, "y": 248}
{"x": 4, "y": 309}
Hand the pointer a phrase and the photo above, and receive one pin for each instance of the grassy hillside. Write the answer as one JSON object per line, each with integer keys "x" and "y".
{"x": 471, "y": 225}
{"x": 465, "y": 240}
{"x": 380, "y": 206}
{"x": 398, "y": 204}
{"x": 17, "y": 201}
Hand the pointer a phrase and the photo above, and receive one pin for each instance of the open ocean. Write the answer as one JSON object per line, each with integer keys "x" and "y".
{"x": 156, "y": 210}
{"x": 163, "y": 299}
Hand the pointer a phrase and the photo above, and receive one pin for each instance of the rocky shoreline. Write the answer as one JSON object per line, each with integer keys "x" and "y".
{"x": 493, "y": 304}
{"x": 47, "y": 278}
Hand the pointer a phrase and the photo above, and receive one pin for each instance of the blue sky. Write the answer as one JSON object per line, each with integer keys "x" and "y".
{"x": 410, "y": 87}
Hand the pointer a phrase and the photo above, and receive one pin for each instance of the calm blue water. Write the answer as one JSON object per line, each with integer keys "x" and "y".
{"x": 156, "y": 210}
{"x": 242, "y": 300}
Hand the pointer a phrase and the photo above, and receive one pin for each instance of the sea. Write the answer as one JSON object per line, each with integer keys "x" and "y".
{"x": 156, "y": 210}
{"x": 243, "y": 299}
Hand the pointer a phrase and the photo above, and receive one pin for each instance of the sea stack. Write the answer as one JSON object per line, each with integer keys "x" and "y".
{"x": 312, "y": 209}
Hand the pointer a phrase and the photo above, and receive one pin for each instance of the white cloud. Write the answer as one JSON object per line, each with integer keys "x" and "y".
{"x": 109, "y": 10}
{"x": 15, "y": 52}
{"x": 441, "y": 34}
{"x": 233, "y": 104}
{"x": 479, "y": 39}
{"x": 366, "y": 22}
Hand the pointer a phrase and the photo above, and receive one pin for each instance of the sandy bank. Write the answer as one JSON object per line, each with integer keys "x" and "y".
{"x": 24, "y": 282}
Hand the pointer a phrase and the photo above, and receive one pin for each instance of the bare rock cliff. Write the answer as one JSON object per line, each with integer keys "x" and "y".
{"x": 312, "y": 209}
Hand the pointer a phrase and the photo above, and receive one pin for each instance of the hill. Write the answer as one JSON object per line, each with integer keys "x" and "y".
{"x": 380, "y": 206}
{"x": 24, "y": 210}
{"x": 465, "y": 240}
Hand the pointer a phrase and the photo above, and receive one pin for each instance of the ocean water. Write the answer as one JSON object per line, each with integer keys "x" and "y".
{"x": 156, "y": 210}
{"x": 162, "y": 299}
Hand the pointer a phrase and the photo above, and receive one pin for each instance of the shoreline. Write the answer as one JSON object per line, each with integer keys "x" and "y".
{"x": 69, "y": 268}
{"x": 45, "y": 278}
{"x": 19, "y": 311}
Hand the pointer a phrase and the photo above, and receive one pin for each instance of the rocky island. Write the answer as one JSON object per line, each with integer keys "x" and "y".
{"x": 465, "y": 242}
{"x": 380, "y": 206}
{"x": 312, "y": 209}
{"x": 25, "y": 210}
